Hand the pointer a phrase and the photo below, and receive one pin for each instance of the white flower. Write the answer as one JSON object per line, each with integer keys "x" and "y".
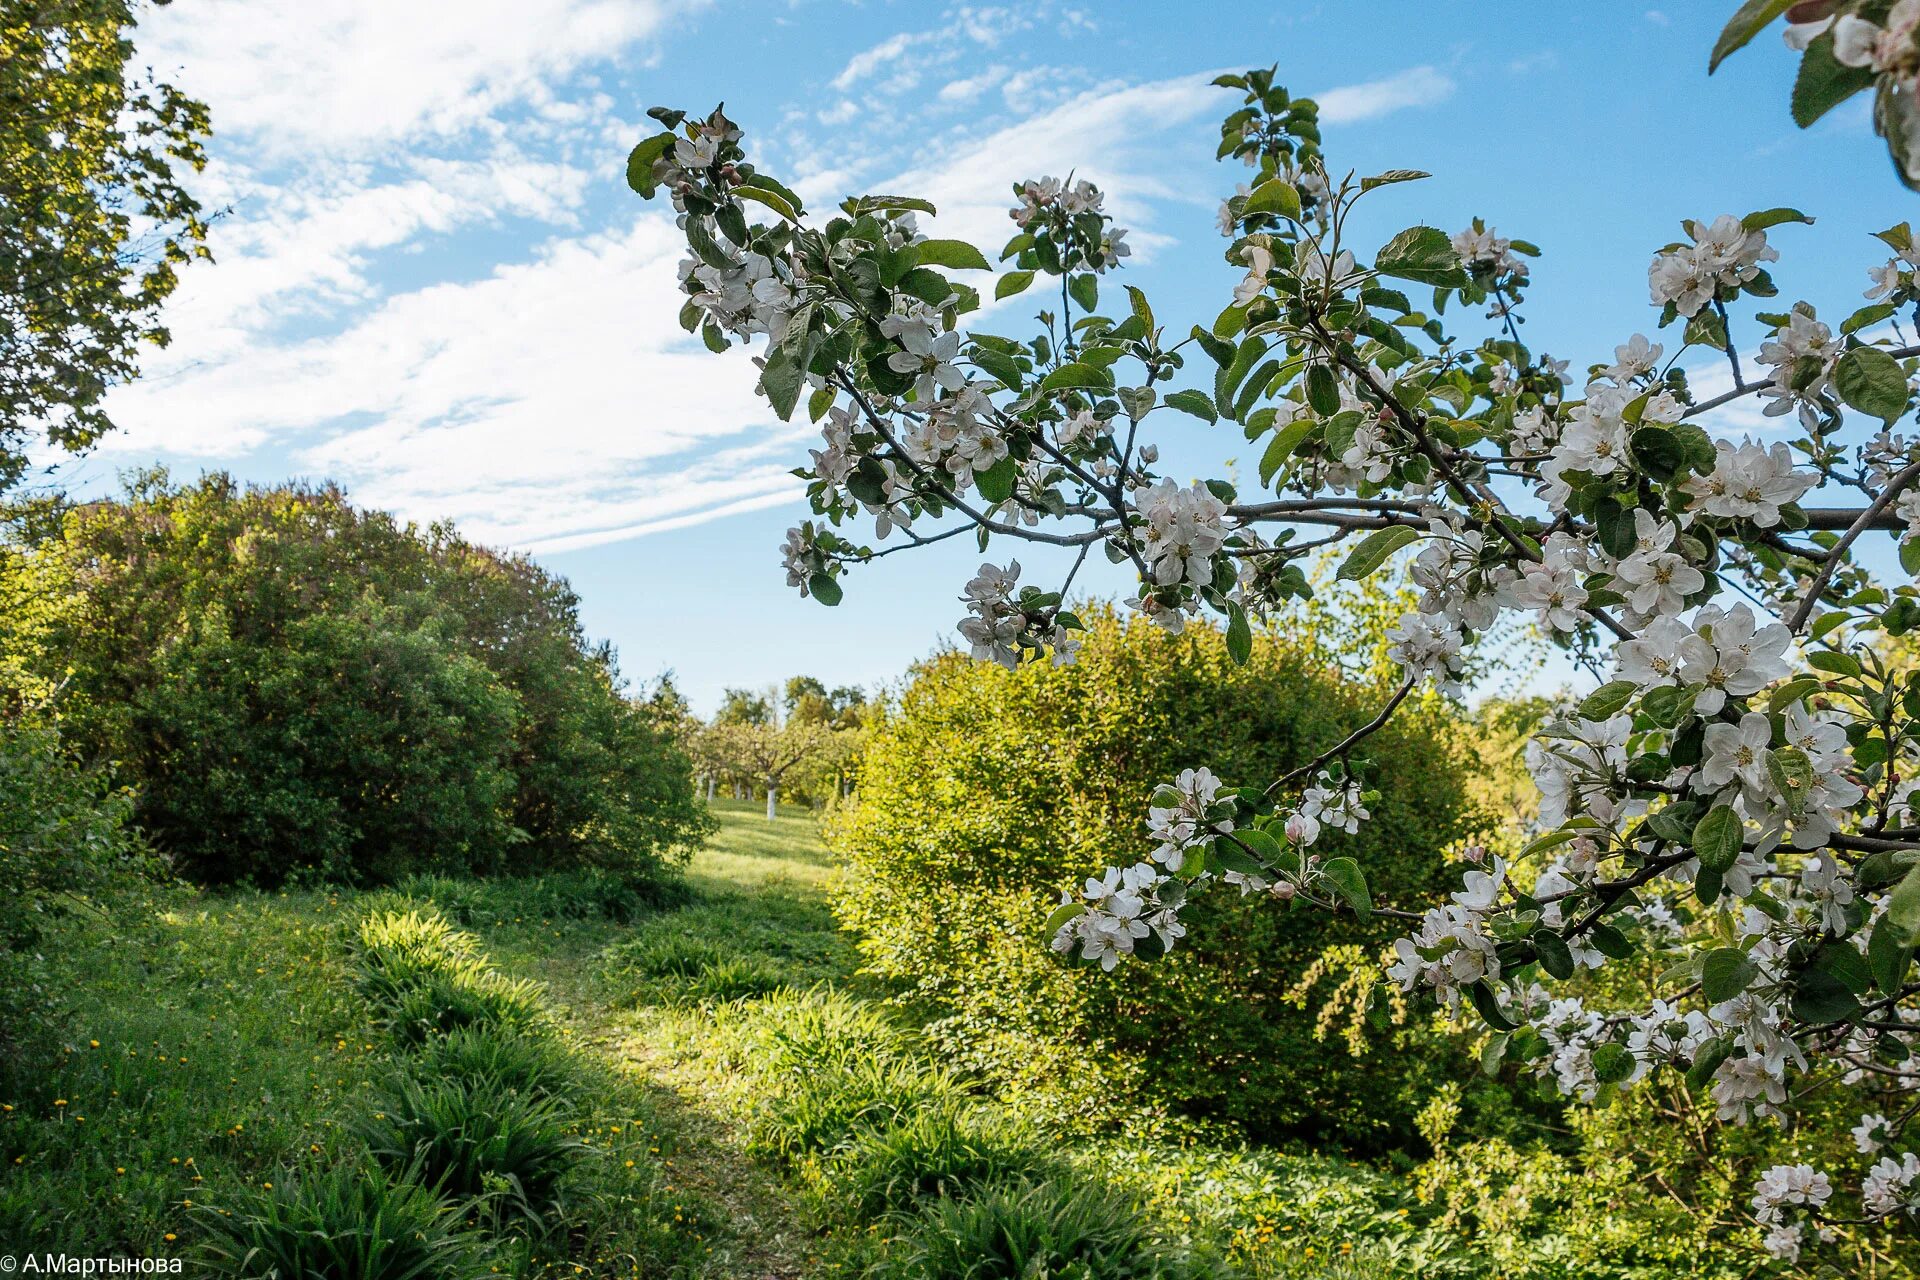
{"x": 1783, "y": 1242}
{"x": 1427, "y": 648}
{"x": 1870, "y": 1134}
{"x": 1750, "y": 481}
{"x": 1337, "y": 806}
{"x": 1732, "y": 655}
{"x": 1889, "y": 1187}
{"x": 1737, "y": 753}
{"x": 1636, "y": 358}
{"x": 995, "y": 624}
{"x": 1259, "y": 260}
{"x": 1786, "y": 1185}
{"x": 1552, "y": 589}
{"x": 1724, "y": 253}
{"x": 1184, "y": 528}
{"x": 929, "y": 359}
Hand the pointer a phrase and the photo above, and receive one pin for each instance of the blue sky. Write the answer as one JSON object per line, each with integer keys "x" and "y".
{"x": 434, "y": 286}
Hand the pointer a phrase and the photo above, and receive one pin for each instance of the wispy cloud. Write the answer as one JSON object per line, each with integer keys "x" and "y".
{"x": 1416, "y": 87}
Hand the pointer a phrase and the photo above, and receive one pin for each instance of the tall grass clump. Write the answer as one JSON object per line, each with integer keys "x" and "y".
{"x": 346, "y": 1221}
{"x": 945, "y": 1150}
{"x": 1032, "y": 1228}
{"x": 428, "y": 978}
{"x": 476, "y": 1139}
{"x": 534, "y": 1065}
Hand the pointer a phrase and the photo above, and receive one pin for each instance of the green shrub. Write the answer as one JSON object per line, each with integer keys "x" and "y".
{"x": 339, "y": 1222}
{"x": 1031, "y": 1228}
{"x": 475, "y": 1138}
{"x": 943, "y": 1150}
{"x": 535, "y": 1065}
{"x": 583, "y": 893}
{"x": 64, "y": 838}
{"x": 292, "y": 686}
{"x": 991, "y": 790}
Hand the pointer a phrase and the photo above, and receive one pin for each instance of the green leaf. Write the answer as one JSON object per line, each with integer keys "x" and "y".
{"x": 1819, "y": 997}
{"x": 1273, "y": 196}
{"x": 1873, "y": 382}
{"x": 1011, "y": 283}
{"x": 1281, "y": 447}
{"x": 1608, "y": 700}
{"x": 1077, "y": 375}
{"x": 1888, "y": 955}
{"x": 1323, "y": 390}
{"x": 1612, "y": 1063}
{"x": 1423, "y": 254}
{"x": 1392, "y": 176}
{"x": 782, "y": 379}
{"x": 1792, "y": 776}
{"x": 1085, "y": 289}
{"x": 1260, "y": 844}
{"x": 1239, "y": 635}
{"x": 1489, "y": 1007}
{"x": 996, "y": 482}
{"x": 1197, "y": 403}
{"x": 1555, "y": 956}
{"x": 1061, "y": 914}
{"x": 824, "y": 588}
{"x": 640, "y": 162}
{"x": 1717, "y": 838}
{"x": 1824, "y": 82}
{"x": 1228, "y": 856}
{"x": 1747, "y": 22}
{"x": 1764, "y": 218}
{"x": 1374, "y": 550}
{"x": 1903, "y": 907}
{"x": 1345, "y": 875}
{"x": 1141, "y": 309}
{"x": 957, "y": 254}
{"x": 1725, "y": 973}
{"x": 1706, "y": 1061}
{"x": 772, "y": 199}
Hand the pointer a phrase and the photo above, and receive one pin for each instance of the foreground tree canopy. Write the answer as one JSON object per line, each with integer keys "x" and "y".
{"x": 1730, "y": 805}
{"x": 94, "y": 221}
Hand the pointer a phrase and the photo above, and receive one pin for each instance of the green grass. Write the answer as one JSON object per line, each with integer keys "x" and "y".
{"x": 696, "y": 1084}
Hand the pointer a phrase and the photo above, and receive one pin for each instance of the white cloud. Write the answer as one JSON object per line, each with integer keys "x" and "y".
{"x": 1416, "y": 87}
{"x": 865, "y": 63}
{"x": 290, "y": 75}
{"x": 967, "y": 88}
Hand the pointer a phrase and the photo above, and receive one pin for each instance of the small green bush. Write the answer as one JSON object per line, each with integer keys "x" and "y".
{"x": 475, "y": 1138}
{"x": 582, "y": 893}
{"x": 339, "y": 1222}
{"x": 942, "y": 1150}
{"x": 1029, "y": 1229}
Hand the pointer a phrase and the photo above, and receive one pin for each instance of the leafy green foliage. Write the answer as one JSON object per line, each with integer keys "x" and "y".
{"x": 64, "y": 838}
{"x": 295, "y": 686}
{"x": 340, "y": 1222}
{"x": 94, "y": 221}
{"x": 992, "y": 788}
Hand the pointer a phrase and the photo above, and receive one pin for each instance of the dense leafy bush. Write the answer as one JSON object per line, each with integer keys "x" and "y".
{"x": 991, "y": 790}
{"x": 63, "y": 837}
{"x": 343, "y": 1222}
{"x": 291, "y": 684}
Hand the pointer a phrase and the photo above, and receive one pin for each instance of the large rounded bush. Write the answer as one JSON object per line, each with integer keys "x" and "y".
{"x": 291, "y": 684}
{"x": 991, "y": 790}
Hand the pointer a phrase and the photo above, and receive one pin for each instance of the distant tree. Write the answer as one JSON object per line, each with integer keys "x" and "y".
{"x": 744, "y": 706}
{"x": 94, "y": 223}
{"x": 764, "y": 754}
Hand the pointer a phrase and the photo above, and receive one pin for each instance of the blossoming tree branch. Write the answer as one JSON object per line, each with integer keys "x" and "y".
{"x": 1734, "y": 798}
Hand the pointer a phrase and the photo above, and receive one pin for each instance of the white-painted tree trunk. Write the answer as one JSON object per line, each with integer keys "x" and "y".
{"x": 710, "y": 781}
{"x": 772, "y": 792}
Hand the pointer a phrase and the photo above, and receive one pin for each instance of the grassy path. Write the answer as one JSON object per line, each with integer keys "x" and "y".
{"x": 761, "y": 885}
